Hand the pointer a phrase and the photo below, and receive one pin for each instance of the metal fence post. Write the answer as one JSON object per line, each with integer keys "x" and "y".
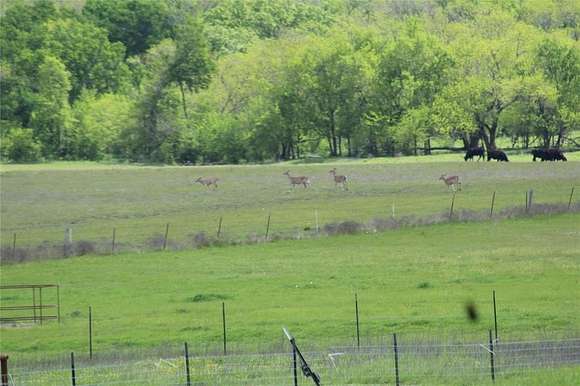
{"x": 357, "y": 320}
{"x": 113, "y": 242}
{"x": 188, "y": 376}
{"x": 491, "y": 354}
{"x": 267, "y": 228}
{"x": 294, "y": 365}
{"x": 570, "y": 199}
{"x": 396, "y": 359}
{"x": 492, "y": 204}
{"x": 452, "y": 204}
{"x": 219, "y": 229}
{"x": 14, "y": 244}
{"x": 165, "y": 238}
{"x": 90, "y": 332}
{"x": 494, "y": 316}
{"x": 72, "y": 366}
{"x": 224, "y": 326}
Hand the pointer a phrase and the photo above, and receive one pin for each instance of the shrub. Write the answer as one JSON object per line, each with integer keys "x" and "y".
{"x": 85, "y": 247}
{"x": 343, "y": 228}
{"x": 19, "y": 145}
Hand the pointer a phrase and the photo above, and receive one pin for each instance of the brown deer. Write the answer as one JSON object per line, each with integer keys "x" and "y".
{"x": 451, "y": 181}
{"x": 338, "y": 179}
{"x": 208, "y": 181}
{"x": 301, "y": 180}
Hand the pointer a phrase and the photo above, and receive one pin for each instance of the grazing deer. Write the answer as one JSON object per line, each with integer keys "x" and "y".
{"x": 451, "y": 181}
{"x": 208, "y": 181}
{"x": 301, "y": 180}
{"x": 338, "y": 179}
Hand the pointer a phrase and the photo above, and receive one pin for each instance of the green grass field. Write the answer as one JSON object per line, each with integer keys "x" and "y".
{"x": 412, "y": 281}
{"x": 40, "y": 201}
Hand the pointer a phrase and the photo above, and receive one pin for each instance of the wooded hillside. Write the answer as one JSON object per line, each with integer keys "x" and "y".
{"x": 253, "y": 80}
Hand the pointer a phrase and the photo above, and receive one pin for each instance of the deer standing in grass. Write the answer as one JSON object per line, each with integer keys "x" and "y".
{"x": 208, "y": 181}
{"x": 451, "y": 182}
{"x": 338, "y": 179}
{"x": 300, "y": 180}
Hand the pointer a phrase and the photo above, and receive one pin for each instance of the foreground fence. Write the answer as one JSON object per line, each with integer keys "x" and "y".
{"x": 393, "y": 362}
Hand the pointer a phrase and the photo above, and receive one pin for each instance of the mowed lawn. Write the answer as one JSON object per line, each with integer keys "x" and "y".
{"x": 39, "y": 201}
{"x": 413, "y": 281}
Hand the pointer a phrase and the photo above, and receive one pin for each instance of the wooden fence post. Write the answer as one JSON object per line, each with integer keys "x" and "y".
{"x": 4, "y": 369}
{"x": 68, "y": 240}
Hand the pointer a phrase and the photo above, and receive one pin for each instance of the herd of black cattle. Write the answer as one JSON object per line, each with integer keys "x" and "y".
{"x": 542, "y": 154}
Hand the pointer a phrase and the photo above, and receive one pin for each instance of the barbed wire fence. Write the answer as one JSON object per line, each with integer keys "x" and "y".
{"x": 397, "y": 361}
{"x": 268, "y": 226}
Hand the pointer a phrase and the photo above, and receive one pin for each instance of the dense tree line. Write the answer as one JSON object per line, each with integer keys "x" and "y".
{"x": 251, "y": 80}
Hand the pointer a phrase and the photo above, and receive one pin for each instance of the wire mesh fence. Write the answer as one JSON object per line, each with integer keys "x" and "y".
{"x": 405, "y": 362}
{"x": 244, "y": 228}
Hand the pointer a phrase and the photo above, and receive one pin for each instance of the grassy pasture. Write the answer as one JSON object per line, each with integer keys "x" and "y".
{"x": 39, "y": 201}
{"x": 412, "y": 281}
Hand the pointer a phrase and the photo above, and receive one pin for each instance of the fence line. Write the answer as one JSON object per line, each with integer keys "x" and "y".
{"x": 423, "y": 362}
{"x": 233, "y": 230}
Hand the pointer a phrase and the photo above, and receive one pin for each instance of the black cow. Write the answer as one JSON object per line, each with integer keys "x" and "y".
{"x": 497, "y": 155}
{"x": 548, "y": 155}
{"x": 475, "y": 151}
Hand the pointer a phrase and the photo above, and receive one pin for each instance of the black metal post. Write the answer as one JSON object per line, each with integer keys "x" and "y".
{"x": 494, "y": 316}
{"x": 357, "y": 321}
{"x": 165, "y": 238}
{"x": 188, "y": 376}
{"x": 90, "y": 333}
{"x": 72, "y": 366}
{"x": 526, "y": 201}
{"x": 113, "y": 242}
{"x": 14, "y": 246}
{"x": 294, "y": 363}
{"x": 267, "y": 227}
{"x": 219, "y": 230}
{"x": 492, "y": 204}
{"x": 491, "y": 354}
{"x": 570, "y": 200}
{"x": 396, "y": 360}
{"x": 224, "y": 325}
{"x": 530, "y": 198}
{"x": 452, "y": 204}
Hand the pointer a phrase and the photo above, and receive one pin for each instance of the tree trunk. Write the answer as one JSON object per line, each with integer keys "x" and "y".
{"x": 349, "y": 146}
{"x": 183, "y": 100}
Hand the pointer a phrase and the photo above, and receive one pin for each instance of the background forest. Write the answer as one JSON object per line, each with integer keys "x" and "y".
{"x": 234, "y": 81}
